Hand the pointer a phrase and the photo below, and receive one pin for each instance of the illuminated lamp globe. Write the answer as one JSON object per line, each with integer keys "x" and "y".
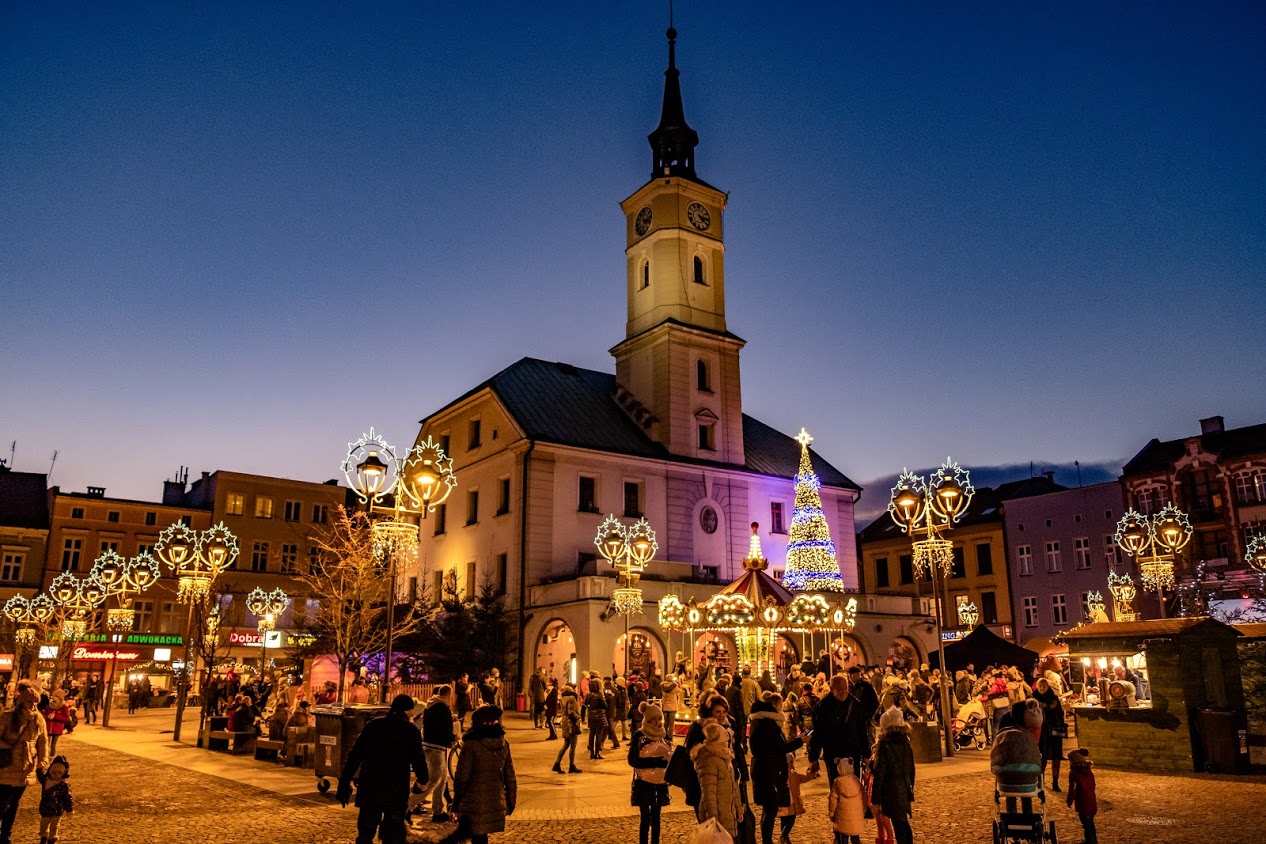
{"x": 612, "y": 544}
{"x": 907, "y": 504}
{"x": 641, "y": 548}
{"x": 371, "y": 474}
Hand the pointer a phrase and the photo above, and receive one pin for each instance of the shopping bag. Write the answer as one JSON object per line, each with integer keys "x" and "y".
{"x": 710, "y": 832}
{"x": 747, "y": 826}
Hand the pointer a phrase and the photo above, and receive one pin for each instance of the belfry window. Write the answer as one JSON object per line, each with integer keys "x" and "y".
{"x": 646, "y": 275}
{"x": 701, "y": 376}
{"x": 699, "y": 271}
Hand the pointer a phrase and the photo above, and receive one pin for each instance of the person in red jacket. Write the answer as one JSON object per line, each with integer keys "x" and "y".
{"x": 57, "y": 715}
{"x": 1081, "y": 792}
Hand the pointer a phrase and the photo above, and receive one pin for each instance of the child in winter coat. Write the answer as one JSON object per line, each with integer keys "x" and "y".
{"x": 845, "y": 806}
{"x": 649, "y": 752}
{"x": 1081, "y": 792}
{"x": 787, "y": 814}
{"x": 55, "y": 799}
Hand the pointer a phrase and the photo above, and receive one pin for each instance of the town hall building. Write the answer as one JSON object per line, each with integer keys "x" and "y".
{"x": 544, "y": 451}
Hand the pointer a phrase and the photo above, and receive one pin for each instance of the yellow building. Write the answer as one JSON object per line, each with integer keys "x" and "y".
{"x": 979, "y": 574}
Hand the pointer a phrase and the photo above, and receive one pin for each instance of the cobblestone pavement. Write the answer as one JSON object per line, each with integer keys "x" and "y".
{"x": 129, "y": 800}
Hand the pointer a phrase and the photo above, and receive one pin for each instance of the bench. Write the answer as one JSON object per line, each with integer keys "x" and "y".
{"x": 232, "y": 742}
{"x": 266, "y": 750}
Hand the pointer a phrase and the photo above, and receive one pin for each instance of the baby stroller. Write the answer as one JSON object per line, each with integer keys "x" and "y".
{"x": 969, "y": 726}
{"x": 1019, "y": 795}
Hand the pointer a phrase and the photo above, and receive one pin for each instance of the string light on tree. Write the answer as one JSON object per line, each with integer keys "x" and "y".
{"x": 811, "y": 562}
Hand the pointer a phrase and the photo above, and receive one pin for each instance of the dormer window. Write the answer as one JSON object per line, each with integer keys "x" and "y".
{"x": 699, "y": 271}
{"x": 704, "y": 383}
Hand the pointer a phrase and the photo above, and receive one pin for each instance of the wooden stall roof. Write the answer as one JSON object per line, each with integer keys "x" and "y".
{"x": 1141, "y": 629}
{"x": 1252, "y": 629}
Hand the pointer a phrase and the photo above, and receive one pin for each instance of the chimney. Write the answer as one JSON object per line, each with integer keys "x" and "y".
{"x": 1212, "y": 425}
{"x": 96, "y": 492}
{"x": 1049, "y": 474}
{"x": 173, "y": 492}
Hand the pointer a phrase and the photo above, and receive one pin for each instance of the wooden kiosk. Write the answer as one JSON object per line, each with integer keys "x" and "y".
{"x": 1181, "y": 707}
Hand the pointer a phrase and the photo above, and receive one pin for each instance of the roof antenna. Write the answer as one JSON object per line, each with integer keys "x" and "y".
{"x": 50, "y": 466}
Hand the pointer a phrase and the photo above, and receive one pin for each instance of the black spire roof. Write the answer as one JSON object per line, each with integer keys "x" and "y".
{"x": 673, "y": 142}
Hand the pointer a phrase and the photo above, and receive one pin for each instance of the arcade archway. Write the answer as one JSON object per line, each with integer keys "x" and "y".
{"x": 556, "y": 652}
{"x": 646, "y": 654}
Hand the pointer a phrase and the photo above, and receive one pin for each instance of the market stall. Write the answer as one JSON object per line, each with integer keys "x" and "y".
{"x": 1161, "y": 695}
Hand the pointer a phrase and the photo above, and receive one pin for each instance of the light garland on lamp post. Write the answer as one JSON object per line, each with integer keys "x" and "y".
{"x": 1123, "y": 592}
{"x": 266, "y": 606}
{"x": 121, "y": 578}
{"x": 968, "y": 615}
{"x": 628, "y": 548}
{"x": 924, "y": 509}
{"x": 416, "y": 483}
{"x": 1255, "y": 554}
{"x": 1154, "y": 543}
{"x": 196, "y": 558}
{"x": 1095, "y": 609}
{"x": 29, "y": 615}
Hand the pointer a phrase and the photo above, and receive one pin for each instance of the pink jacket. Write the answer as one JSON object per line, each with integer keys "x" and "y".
{"x": 848, "y": 815}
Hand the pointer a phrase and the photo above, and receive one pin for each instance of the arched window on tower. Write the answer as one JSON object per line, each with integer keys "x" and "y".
{"x": 699, "y": 270}
{"x": 701, "y": 376}
{"x": 646, "y": 274}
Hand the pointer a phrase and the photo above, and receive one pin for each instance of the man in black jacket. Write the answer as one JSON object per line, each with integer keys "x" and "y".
{"x": 384, "y": 753}
{"x": 863, "y": 692}
{"x": 437, "y": 738}
{"x": 839, "y": 730}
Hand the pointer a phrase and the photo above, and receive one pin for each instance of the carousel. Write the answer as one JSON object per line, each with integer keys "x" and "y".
{"x": 756, "y": 611}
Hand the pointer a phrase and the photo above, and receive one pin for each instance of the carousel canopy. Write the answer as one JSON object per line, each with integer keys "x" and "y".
{"x": 756, "y": 600}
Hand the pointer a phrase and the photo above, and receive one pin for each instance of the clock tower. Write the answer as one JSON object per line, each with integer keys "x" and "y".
{"x": 677, "y": 359}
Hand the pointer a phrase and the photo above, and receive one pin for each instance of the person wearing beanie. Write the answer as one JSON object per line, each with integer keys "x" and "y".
{"x": 384, "y": 754}
{"x": 55, "y": 798}
{"x": 718, "y": 787}
{"x": 892, "y": 774}
{"x": 845, "y": 805}
{"x": 569, "y": 726}
{"x": 769, "y": 760}
{"x": 649, "y": 752}
{"x": 1081, "y": 792}
{"x": 485, "y": 788}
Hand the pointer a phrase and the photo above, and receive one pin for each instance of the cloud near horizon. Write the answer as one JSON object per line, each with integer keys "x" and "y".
{"x": 875, "y": 492}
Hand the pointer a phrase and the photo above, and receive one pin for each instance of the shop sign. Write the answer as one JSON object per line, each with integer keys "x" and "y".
{"x": 85, "y": 652}
{"x": 6, "y": 662}
{"x": 134, "y": 638}
{"x": 162, "y": 654}
{"x": 272, "y": 638}
{"x": 951, "y": 635}
{"x": 48, "y": 651}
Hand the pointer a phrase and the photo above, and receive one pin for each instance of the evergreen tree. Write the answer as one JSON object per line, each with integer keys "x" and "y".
{"x": 811, "y": 563}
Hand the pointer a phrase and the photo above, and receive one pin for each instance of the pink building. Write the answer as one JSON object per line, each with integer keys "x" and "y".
{"x": 1060, "y": 548}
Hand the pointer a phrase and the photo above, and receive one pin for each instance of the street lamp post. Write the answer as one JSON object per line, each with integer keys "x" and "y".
{"x": 197, "y": 560}
{"x": 1154, "y": 543}
{"x": 121, "y": 578}
{"x": 30, "y": 615}
{"x": 266, "y": 606}
{"x": 628, "y": 548}
{"x": 925, "y": 508}
{"x": 416, "y": 483}
{"x": 74, "y": 598}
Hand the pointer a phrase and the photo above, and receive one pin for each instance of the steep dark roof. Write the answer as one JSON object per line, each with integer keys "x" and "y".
{"x": 986, "y": 506}
{"x": 566, "y": 405}
{"x": 23, "y": 500}
{"x": 1159, "y": 456}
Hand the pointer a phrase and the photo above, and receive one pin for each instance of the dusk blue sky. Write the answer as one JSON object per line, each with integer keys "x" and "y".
{"x": 237, "y": 236}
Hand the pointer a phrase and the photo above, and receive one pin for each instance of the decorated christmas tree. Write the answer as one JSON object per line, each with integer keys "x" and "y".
{"x": 811, "y": 563}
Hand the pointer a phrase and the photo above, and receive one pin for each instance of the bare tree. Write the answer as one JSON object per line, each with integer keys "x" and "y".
{"x": 350, "y": 582}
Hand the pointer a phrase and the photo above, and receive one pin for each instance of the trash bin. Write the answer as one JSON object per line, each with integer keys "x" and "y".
{"x": 1220, "y": 742}
{"x": 337, "y": 727}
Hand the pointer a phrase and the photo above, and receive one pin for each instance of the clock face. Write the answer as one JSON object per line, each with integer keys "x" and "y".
{"x": 699, "y": 216}
{"x": 643, "y": 223}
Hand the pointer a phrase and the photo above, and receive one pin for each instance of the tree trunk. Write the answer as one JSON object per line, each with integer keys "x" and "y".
{"x": 342, "y": 679}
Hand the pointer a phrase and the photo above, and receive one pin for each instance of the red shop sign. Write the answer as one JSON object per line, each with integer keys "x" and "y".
{"x": 82, "y": 652}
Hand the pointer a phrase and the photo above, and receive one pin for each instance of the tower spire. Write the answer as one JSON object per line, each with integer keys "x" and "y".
{"x": 673, "y": 142}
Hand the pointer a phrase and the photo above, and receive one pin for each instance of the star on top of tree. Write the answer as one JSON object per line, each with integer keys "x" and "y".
{"x": 803, "y": 437}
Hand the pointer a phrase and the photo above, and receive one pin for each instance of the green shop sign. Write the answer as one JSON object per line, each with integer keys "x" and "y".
{"x": 134, "y": 638}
